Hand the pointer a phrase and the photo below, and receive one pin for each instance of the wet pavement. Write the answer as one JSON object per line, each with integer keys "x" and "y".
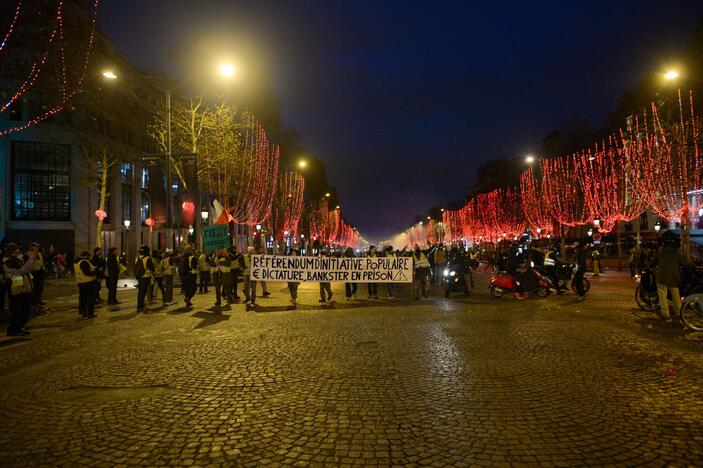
{"x": 443, "y": 382}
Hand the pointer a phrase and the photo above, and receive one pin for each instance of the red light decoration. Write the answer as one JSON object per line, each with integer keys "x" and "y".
{"x": 256, "y": 178}
{"x": 671, "y": 163}
{"x": 535, "y": 204}
{"x": 101, "y": 214}
{"x": 289, "y": 203}
{"x": 11, "y": 28}
{"x": 70, "y": 86}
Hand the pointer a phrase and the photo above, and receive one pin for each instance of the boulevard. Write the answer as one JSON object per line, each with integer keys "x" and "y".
{"x": 461, "y": 381}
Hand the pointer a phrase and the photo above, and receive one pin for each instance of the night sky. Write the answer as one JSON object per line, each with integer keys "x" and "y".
{"x": 402, "y": 100}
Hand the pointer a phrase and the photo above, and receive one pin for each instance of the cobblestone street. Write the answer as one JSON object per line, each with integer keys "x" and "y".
{"x": 459, "y": 381}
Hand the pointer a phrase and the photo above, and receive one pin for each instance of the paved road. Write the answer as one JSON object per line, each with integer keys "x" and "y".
{"x": 466, "y": 381}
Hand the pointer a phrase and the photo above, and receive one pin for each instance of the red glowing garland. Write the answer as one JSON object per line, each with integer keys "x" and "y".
{"x": 68, "y": 89}
{"x": 289, "y": 203}
{"x": 671, "y": 163}
{"x": 11, "y": 28}
{"x": 535, "y": 204}
{"x": 257, "y": 178}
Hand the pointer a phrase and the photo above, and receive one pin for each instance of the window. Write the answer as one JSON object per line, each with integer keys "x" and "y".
{"x": 145, "y": 178}
{"x": 145, "y": 208}
{"x": 41, "y": 181}
{"x": 126, "y": 172}
{"x": 126, "y": 202}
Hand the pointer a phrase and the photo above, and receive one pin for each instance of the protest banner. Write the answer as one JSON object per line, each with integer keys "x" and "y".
{"x": 216, "y": 237}
{"x": 331, "y": 269}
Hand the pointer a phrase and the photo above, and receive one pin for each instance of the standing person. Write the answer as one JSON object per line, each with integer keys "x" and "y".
{"x": 668, "y": 276}
{"x": 580, "y": 262}
{"x": 390, "y": 254}
{"x": 158, "y": 281}
{"x": 168, "y": 270}
{"x": 17, "y": 274}
{"x": 144, "y": 272}
{"x": 595, "y": 261}
{"x": 264, "y": 287}
{"x": 86, "y": 277}
{"x": 325, "y": 286}
{"x": 112, "y": 275}
{"x": 633, "y": 261}
{"x": 422, "y": 270}
{"x": 188, "y": 271}
{"x": 49, "y": 258}
{"x": 246, "y": 271}
{"x": 235, "y": 260}
{"x": 222, "y": 277}
{"x": 440, "y": 262}
{"x": 38, "y": 277}
{"x": 99, "y": 263}
{"x": 293, "y": 285}
{"x": 350, "y": 288}
{"x": 204, "y": 270}
{"x": 372, "y": 287}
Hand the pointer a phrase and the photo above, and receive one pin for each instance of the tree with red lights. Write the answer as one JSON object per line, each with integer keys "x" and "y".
{"x": 288, "y": 207}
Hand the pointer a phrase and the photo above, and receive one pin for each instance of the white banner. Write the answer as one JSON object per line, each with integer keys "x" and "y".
{"x": 331, "y": 269}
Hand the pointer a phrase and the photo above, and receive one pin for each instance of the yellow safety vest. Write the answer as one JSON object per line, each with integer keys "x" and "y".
{"x": 145, "y": 262}
{"x": 82, "y": 277}
{"x": 222, "y": 267}
{"x": 247, "y": 262}
{"x": 548, "y": 260}
{"x": 158, "y": 267}
{"x": 166, "y": 265}
{"x": 422, "y": 262}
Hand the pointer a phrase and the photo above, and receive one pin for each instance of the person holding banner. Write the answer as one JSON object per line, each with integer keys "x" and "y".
{"x": 422, "y": 271}
{"x": 372, "y": 287}
{"x": 249, "y": 285}
{"x": 350, "y": 288}
{"x": 325, "y": 287}
{"x": 235, "y": 260}
{"x": 293, "y": 285}
{"x": 390, "y": 254}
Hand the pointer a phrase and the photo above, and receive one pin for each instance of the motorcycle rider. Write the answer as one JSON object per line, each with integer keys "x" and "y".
{"x": 461, "y": 265}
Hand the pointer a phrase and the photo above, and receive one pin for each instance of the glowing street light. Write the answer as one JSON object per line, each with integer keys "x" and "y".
{"x": 227, "y": 70}
{"x": 328, "y": 194}
{"x": 529, "y": 159}
{"x": 109, "y": 74}
{"x": 127, "y": 223}
{"x": 671, "y": 75}
{"x": 302, "y": 164}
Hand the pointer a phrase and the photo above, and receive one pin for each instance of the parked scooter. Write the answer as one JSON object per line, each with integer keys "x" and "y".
{"x": 646, "y": 294}
{"x": 530, "y": 282}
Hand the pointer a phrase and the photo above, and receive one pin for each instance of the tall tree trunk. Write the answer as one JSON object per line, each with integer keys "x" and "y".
{"x": 103, "y": 199}
{"x": 686, "y": 234}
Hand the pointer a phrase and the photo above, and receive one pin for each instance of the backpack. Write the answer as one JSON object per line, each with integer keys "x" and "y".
{"x": 139, "y": 268}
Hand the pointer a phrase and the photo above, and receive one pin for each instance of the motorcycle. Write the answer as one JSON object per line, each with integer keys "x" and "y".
{"x": 457, "y": 278}
{"x": 562, "y": 274}
{"x": 503, "y": 283}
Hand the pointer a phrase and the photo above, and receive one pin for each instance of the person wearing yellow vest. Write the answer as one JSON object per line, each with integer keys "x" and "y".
{"x": 390, "y": 254}
{"x": 222, "y": 277}
{"x": 158, "y": 281}
{"x": 144, "y": 272}
{"x": 422, "y": 271}
{"x": 86, "y": 277}
{"x": 168, "y": 270}
{"x": 17, "y": 275}
{"x": 188, "y": 271}
{"x": 440, "y": 262}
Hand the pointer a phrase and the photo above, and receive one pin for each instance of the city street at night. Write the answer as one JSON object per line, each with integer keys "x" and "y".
{"x": 459, "y": 381}
{"x": 335, "y": 233}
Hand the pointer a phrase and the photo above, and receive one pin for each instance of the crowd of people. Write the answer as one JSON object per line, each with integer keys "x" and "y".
{"x": 24, "y": 273}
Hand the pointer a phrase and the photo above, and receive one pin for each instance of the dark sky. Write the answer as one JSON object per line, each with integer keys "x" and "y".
{"x": 402, "y": 99}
